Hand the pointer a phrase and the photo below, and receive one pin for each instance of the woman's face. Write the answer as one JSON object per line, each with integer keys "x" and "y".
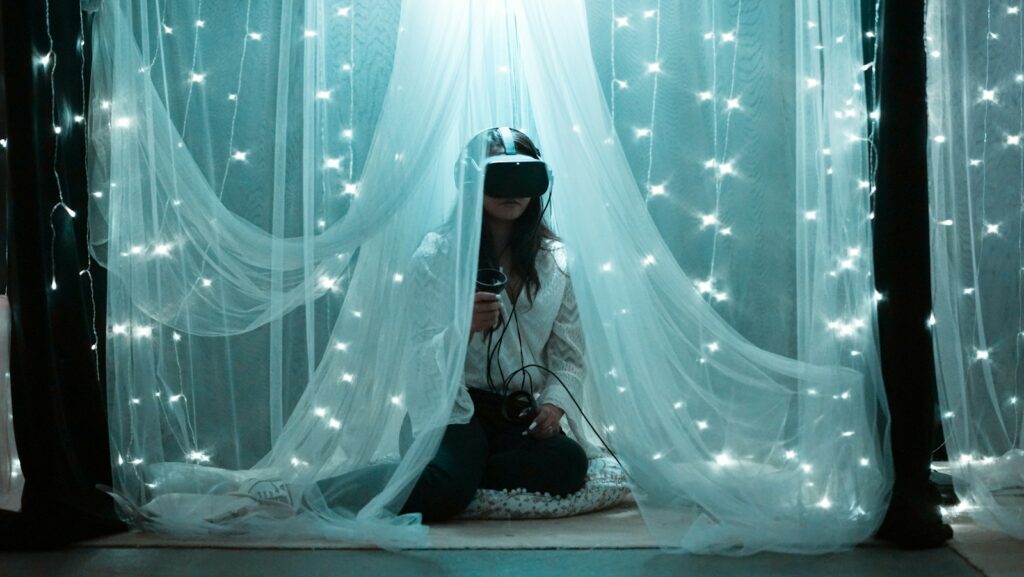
{"x": 505, "y": 208}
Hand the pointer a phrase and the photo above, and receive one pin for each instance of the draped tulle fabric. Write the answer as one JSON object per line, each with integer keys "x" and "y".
{"x": 12, "y": 483}
{"x": 975, "y": 99}
{"x": 292, "y": 259}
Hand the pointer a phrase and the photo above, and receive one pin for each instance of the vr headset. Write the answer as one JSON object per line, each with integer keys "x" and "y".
{"x": 508, "y": 175}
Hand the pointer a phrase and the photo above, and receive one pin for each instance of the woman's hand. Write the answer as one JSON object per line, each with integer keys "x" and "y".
{"x": 547, "y": 422}
{"x": 486, "y": 312}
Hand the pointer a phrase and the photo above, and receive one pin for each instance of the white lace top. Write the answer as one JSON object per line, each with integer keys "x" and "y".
{"x": 551, "y": 337}
{"x": 550, "y": 328}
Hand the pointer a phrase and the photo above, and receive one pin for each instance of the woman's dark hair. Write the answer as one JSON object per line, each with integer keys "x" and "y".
{"x": 530, "y": 234}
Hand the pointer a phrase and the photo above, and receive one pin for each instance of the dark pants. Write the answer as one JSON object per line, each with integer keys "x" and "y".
{"x": 487, "y": 452}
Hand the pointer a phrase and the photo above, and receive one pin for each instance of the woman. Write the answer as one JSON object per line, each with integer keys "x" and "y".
{"x": 533, "y": 322}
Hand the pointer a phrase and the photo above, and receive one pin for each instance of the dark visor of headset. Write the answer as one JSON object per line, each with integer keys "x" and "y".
{"x": 521, "y": 179}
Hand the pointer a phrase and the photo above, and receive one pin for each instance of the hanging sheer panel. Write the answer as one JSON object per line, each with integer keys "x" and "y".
{"x": 12, "y": 483}
{"x": 292, "y": 257}
{"x": 975, "y": 100}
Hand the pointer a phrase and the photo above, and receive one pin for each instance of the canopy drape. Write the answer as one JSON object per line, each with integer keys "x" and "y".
{"x": 292, "y": 258}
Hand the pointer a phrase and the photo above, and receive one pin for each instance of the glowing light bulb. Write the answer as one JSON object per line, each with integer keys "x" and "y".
{"x": 728, "y": 37}
{"x": 812, "y": 82}
{"x": 162, "y": 250}
{"x": 991, "y": 229}
{"x": 713, "y": 347}
{"x": 334, "y": 163}
{"x": 176, "y": 336}
{"x": 341, "y": 346}
{"x": 200, "y": 23}
{"x": 725, "y": 168}
{"x": 621, "y": 84}
{"x": 233, "y": 97}
{"x": 255, "y": 36}
{"x": 309, "y": 34}
{"x": 732, "y": 103}
{"x": 705, "y": 287}
{"x": 657, "y": 189}
{"x": 606, "y": 267}
{"x": 123, "y": 122}
{"x": 678, "y": 405}
{"x": 940, "y": 139}
{"x": 197, "y": 77}
{"x": 724, "y": 460}
{"x": 168, "y": 29}
{"x": 705, "y": 96}
{"x": 45, "y": 59}
{"x": 206, "y": 282}
{"x": 198, "y": 456}
{"x": 982, "y": 355}
{"x": 327, "y": 282}
{"x": 320, "y": 412}
{"x": 702, "y": 425}
{"x": 239, "y": 155}
{"x": 621, "y": 21}
{"x": 790, "y": 455}
{"x": 348, "y": 378}
{"x": 654, "y": 67}
{"x": 1013, "y": 10}
{"x": 396, "y": 400}
{"x": 824, "y": 503}
{"x": 344, "y": 11}
{"x": 648, "y": 261}
{"x": 988, "y": 95}
{"x": 142, "y": 332}
{"x": 648, "y": 14}
{"x": 1013, "y": 139}
{"x": 708, "y": 220}
{"x": 397, "y": 278}
{"x": 969, "y": 291}
{"x": 347, "y": 133}
{"x": 323, "y": 94}
{"x": 642, "y": 132}
{"x": 351, "y": 189}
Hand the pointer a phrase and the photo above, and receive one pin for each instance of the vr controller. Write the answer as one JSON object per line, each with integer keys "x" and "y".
{"x": 518, "y": 407}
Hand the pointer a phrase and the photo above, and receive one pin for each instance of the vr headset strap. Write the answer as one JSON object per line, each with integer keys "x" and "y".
{"x": 507, "y": 140}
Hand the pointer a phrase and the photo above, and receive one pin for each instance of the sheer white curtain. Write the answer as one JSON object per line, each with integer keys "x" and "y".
{"x": 267, "y": 178}
{"x": 976, "y": 109}
{"x": 11, "y": 481}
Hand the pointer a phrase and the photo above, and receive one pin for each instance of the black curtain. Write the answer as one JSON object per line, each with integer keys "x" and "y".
{"x": 901, "y": 244}
{"x": 57, "y": 385}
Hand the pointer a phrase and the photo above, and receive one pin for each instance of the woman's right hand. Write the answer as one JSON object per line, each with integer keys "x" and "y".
{"x": 486, "y": 312}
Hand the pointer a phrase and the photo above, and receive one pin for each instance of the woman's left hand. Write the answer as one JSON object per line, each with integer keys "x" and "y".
{"x": 546, "y": 424}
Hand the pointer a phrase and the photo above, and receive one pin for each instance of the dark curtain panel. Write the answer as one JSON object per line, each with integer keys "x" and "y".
{"x": 57, "y": 385}
{"x": 901, "y": 244}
